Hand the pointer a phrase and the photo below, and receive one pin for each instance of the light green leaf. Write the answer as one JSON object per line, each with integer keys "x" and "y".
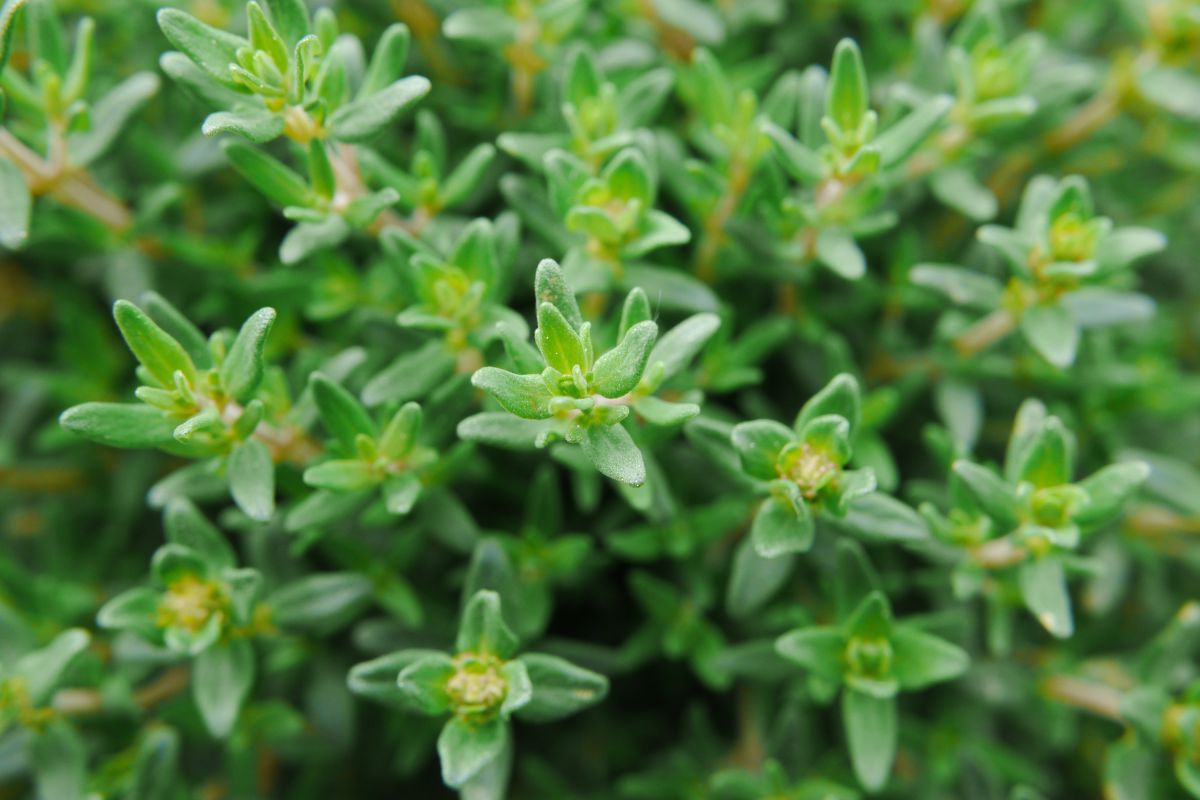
{"x": 922, "y": 659}
{"x": 130, "y": 425}
{"x": 619, "y": 371}
{"x": 847, "y": 99}
{"x": 221, "y": 681}
{"x": 754, "y": 579}
{"x": 153, "y": 347}
{"x": 759, "y": 443}
{"x": 212, "y": 49}
{"x": 368, "y": 116}
{"x": 321, "y": 602}
{"x": 341, "y": 413}
{"x": 1052, "y": 332}
{"x": 243, "y": 367}
{"x": 1044, "y": 589}
{"x": 466, "y": 748}
{"x": 483, "y": 630}
{"x": 16, "y": 205}
{"x": 871, "y": 727}
{"x": 613, "y": 452}
{"x": 560, "y": 688}
{"x": 110, "y": 117}
{"x": 783, "y": 523}
{"x": 677, "y": 347}
{"x": 252, "y": 479}
{"x": 837, "y": 250}
{"x": 256, "y": 124}
{"x": 523, "y": 395}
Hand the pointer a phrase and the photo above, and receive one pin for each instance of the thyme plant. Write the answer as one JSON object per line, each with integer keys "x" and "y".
{"x": 647, "y": 400}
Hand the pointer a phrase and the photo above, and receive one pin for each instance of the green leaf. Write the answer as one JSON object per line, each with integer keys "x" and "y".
{"x": 837, "y": 250}
{"x": 902, "y": 139}
{"x": 221, "y": 681}
{"x": 1046, "y": 460}
{"x": 110, "y": 117}
{"x": 550, "y": 286}
{"x": 212, "y": 49}
{"x": 855, "y": 579}
{"x": 1044, "y": 589}
{"x": 759, "y": 443}
{"x": 994, "y": 495}
{"x": 179, "y": 327}
{"x": 400, "y": 435}
{"x": 879, "y": 517}
{"x": 818, "y": 650}
{"x": 368, "y": 116}
{"x": 560, "y": 688}
{"x": 131, "y": 425}
{"x": 422, "y": 683}
{"x": 279, "y": 183}
{"x": 961, "y": 285}
{"x": 523, "y": 395}
{"x": 186, "y": 526}
{"x": 466, "y": 748}
{"x": 1108, "y": 490}
{"x": 677, "y": 347}
{"x": 243, "y": 367}
{"x": 558, "y": 341}
{"x": 412, "y": 375}
{"x": 290, "y": 18}
{"x": 1097, "y": 307}
{"x": 252, "y": 479}
{"x": 8, "y": 13}
{"x": 619, "y": 371}
{"x": 828, "y": 434}
{"x": 387, "y": 62}
{"x": 754, "y": 579}
{"x": 16, "y": 205}
{"x": 59, "y": 761}
{"x": 401, "y": 492}
{"x": 1052, "y": 332}
{"x": 783, "y": 523}
{"x": 255, "y": 124}
{"x": 847, "y": 99}
{"x": 484, "y": 25}
{"x": 841, "y": 397}
{"x": 663, "y": 413}
{"x": 656, "y": 229}
{"x": 921, "y": 659}
{"x": 483, "y": 630}
{"x": 958, "y": 188}
{"x": 612, "y": 451}
{"x": 628, "y": 177}
{"x": 501, "y": 429}
{"x": 342, "y": 475}
{"x": 636, "y": 309}
{"x": 341, "y": 413}
{"x": 801, "y": 162}
{"x": 311, "y": 237}
{"x": 133, "y": 609}
{"x": 467, "y": 176}
{"x": 42, "y": 669}
{"x": 156, "y": 768}
{"x": 153, "y": 347}
{"x": 871, "y": 727}
{"x": 321, "y": 602}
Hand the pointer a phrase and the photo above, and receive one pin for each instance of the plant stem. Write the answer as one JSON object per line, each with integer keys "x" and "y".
{"x": 986, "y": 332}
{"x": 1098, "y": 698}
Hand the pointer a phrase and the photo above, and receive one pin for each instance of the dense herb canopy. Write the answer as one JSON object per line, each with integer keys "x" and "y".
{"x": 561, "y": 399}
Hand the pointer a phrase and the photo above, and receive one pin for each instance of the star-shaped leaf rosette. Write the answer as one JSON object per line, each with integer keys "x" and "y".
{"x": 873, "y": 657}
{"x": 803, "y": 467}
{"x": 482, "y": 686}
{"x": 567, "y": 391}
